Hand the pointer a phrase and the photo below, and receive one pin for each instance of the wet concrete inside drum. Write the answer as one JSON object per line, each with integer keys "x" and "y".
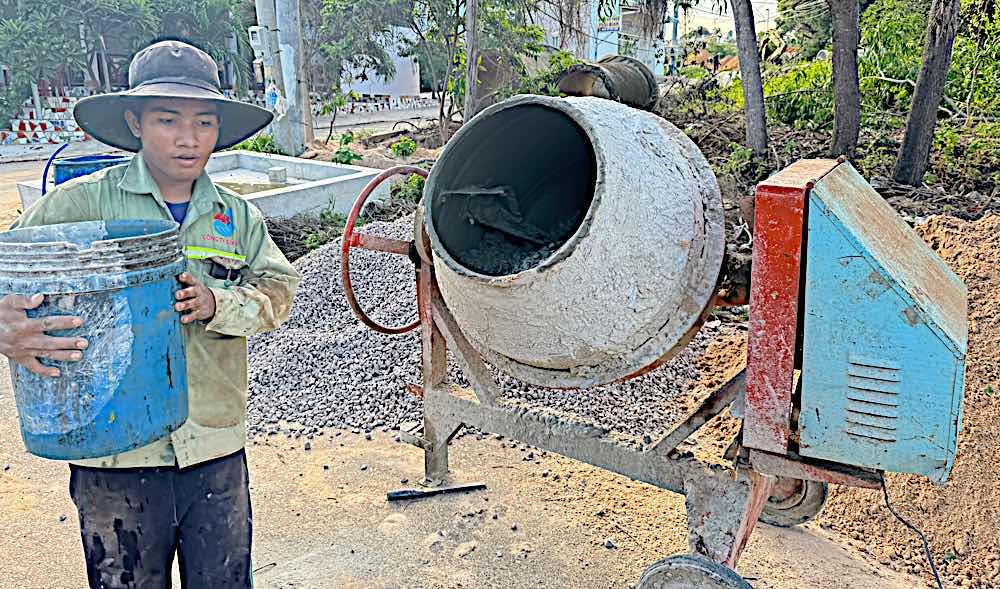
{"x": 521, "y": 192}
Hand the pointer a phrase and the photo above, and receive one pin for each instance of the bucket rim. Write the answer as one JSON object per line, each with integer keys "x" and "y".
{"x": 164, "y": 229}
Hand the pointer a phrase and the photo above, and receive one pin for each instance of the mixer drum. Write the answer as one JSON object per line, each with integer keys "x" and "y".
{"x": 576, "y": 241}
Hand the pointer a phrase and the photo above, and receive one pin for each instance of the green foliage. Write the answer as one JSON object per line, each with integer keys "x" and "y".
{"x": 345, "y": 155}
{"x": 695, "y": 72}
{"x": 720, "y": 49}
{"x": 330, "y": 227}
{"x": 337, "y": 101}
{"x": 210, "y": 24}
{"x": 39, "y": 41}
{"x": 892, "y": 33}
{"x": 802, "y": 97}
{"x": 544, "y": 81}
{"x": 261, "y": 143}
{"x": 968, "y": 153}
{"x": 807, "y": 23}
{"x": 740, "y": 162}
{"x": 411, "y": 190}
{"x": 975, "y": 66}
{"x": 435, "y": 35}
{"x": 893, "y": 38}
{"x": 359, "y": 36}
{"x": 45, "y": 36}
{"x": 405, "y": 147}
{"x": 11, "y": 101}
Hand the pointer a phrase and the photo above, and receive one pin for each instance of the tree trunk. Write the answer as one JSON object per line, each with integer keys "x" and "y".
{"x": 471, "y": 59}
{"x": 753, "y": 87}
{"x": 103, "y": 56}
{"x": 942, "y": 25}
{"x": 846, "y": 90}
{"x": 443, "y": 97}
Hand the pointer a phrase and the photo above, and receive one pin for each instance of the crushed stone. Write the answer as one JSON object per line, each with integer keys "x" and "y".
{"x": 324, "y": 369}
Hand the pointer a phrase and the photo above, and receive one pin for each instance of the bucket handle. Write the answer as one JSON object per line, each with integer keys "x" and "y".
{"x": 45, "y": 174}
{"x": 351, "y": 239}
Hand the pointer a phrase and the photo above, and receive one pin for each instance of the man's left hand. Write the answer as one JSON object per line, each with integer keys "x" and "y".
{"x": 196, "y": 302}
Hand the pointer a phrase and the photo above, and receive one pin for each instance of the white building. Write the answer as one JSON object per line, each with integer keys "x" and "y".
{"x": 406, "y": 82}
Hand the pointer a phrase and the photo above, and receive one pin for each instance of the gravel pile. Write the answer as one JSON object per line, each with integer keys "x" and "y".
{"x": 323, "y": 368}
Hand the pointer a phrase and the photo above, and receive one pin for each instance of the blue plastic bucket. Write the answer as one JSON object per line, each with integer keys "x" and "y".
{"x": 73, "y": 167}
{"x": 130, "y": 388}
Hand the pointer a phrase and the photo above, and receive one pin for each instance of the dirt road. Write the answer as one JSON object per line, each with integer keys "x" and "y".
{"x": 10, "y": 175}
{"x": 318, "y": 527}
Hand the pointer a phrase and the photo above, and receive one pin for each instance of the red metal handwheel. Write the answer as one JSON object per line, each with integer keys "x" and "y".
{"x": 374, "y": 243}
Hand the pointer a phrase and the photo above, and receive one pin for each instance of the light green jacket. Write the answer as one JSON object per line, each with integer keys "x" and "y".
{"x": 220, "y": 225}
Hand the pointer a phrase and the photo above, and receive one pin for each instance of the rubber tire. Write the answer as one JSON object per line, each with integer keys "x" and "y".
{"x": 690, "y": 571}
{"x": 791, "y": 513}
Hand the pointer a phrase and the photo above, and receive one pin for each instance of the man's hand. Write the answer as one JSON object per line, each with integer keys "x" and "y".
{"x": 24, "y": 340}
{"x": 197, "y": 300}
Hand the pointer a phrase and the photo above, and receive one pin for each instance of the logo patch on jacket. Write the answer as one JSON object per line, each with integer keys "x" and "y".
{"x": 223, "y": 224}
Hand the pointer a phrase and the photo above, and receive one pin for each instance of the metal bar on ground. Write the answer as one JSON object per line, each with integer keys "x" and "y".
{"x": 407, "y": 494}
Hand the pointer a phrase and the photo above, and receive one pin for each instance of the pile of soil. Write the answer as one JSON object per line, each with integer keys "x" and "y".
{"x": 961, "y": 519}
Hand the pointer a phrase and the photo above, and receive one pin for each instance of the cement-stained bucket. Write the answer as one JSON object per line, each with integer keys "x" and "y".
{"x": 130, "y": 388}
{"x": 577, "y": 241}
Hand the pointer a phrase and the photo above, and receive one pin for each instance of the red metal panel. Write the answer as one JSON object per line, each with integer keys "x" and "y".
{"x": 774, "y": 302}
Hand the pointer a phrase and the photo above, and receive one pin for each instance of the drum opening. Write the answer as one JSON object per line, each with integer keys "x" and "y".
{"x": 518, "y": 188}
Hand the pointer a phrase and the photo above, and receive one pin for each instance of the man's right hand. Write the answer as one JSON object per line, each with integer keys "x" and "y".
{"x": 24, "y": 340}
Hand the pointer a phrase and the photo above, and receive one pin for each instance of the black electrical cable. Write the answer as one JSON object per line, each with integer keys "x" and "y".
{"x": 912, "y": 528}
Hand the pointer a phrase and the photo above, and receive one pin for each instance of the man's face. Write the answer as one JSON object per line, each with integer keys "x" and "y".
{"x": 178, "y": 136}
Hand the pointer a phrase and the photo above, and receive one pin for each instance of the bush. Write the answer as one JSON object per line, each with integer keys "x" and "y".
{"x": 330, "y": 227}
{"x": 543, "y": 83}
{"x": 802, "y": 97}
{"x": 411, "y": 190}
{"x": 345, "y": 155}
{"x": 405, "y": 147}
{"x": 262, "y": 143}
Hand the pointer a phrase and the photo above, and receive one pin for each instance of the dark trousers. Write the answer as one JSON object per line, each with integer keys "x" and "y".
{"x": 133, "y": 520}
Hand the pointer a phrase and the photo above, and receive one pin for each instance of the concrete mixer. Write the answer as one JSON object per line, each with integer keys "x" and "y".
{"x": 591, "y": 253}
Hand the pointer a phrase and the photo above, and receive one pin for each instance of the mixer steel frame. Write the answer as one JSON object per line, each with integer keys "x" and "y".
{"x": 723, "y": 501}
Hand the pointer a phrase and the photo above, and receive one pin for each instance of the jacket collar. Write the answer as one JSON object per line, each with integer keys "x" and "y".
{"x": 138, "y": 180}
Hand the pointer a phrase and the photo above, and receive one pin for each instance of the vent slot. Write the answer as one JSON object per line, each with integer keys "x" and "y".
{"x": 872, "y": 399}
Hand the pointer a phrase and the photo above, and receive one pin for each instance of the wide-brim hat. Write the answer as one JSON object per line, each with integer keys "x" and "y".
{"x": 168, "y": 69}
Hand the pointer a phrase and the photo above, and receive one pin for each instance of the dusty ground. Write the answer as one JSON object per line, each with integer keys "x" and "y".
{"x": 333, "y": 528}
{"x": 960, "y": 519}
{"x": 10, "y": 175}
{"x": 319, "y": 528}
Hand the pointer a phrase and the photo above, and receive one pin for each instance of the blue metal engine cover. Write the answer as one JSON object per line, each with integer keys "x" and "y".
{"x": 885, "y": 337}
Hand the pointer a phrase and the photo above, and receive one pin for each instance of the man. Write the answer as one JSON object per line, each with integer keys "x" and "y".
{"x": 187, "y": 492}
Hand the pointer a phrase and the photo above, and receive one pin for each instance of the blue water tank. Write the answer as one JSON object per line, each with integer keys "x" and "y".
{"x": 68, "y": 168}
{"x": 130, "y": 388}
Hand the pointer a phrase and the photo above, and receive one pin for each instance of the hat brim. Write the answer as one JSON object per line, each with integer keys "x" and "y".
{"x": 103, "y": 116}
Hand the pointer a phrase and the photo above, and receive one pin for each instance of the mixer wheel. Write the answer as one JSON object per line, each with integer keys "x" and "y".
{"x": 800, "y": 502}
{"x": 690, "y": 571}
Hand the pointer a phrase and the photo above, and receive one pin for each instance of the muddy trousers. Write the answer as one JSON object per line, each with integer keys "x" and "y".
{"x": 133, "y": 521}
